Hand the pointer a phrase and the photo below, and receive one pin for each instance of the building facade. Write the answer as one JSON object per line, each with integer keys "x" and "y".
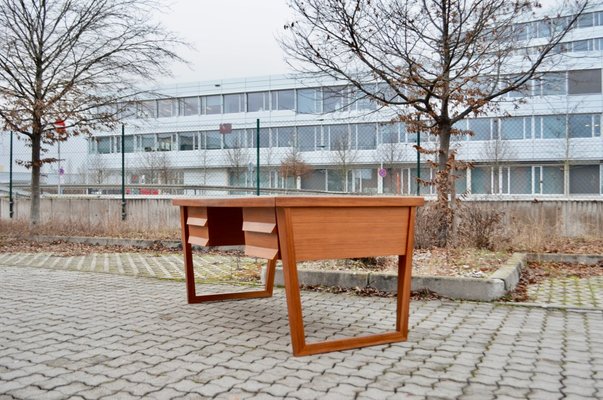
{"x": 316, "y": 134}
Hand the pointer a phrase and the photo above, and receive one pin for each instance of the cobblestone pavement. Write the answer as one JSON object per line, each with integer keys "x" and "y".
{"x": 212, "y": 268}
{"x": 576, "y": 292}
{"x": 70, "y": 334}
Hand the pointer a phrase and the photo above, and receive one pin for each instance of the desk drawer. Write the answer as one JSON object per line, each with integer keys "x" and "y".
{"x": 198, "y": 229}
{"x": 261, "y": 235}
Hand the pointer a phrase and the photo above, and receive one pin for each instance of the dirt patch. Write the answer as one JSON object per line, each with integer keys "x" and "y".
{"x": 538, "y": 272}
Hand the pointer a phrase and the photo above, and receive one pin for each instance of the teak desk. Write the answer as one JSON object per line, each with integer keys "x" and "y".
{"x": 305, "y": 228}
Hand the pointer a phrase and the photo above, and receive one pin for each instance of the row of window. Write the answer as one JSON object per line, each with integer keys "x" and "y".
{"x": 354, "y": 136}
{"x": 576, "y": 82}
{"x": 545, "y": 28}
{"x": 508, "y": 180}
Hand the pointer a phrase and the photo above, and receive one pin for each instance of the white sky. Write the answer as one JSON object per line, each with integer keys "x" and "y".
{"x": 232, "y": 38}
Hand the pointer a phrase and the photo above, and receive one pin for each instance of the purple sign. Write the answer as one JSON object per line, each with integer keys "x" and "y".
{"x": 382, "y": 172}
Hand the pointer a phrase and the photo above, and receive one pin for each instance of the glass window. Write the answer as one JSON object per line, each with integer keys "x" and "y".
{"x": 187, "y": 141}
{"x": 285, "y": 137}
{"x": 585, "y": 179}
{"x": 481, "y": 182}
{"x": 306, "y": 137}
{"x": 128, "y": 144}
{"x": 308, "y": 101}
{"x": 235, "y": 139}
{"x": 520, "y": 180}
{"x": 339, "y": 138}
{"x": 212, "y": 104}
{"x": 520, "y": 31}
{"x": 103, "y": 145}
{"x": 127, "y": 110}
{"x": 424, "y": 175}
{"x": 257, "y": 101}
{"x": 581, "y": 45}
{"x": 316, "y": 180}
{"x": 512, "y": 128}
{"x": 283, "y": 100}
{"x": 552, "y": 84}
{"x": 552, "y": 180}
{"x": 147, "y": 142}
{"x": 213, "y": 140}
{"x": 234, "y": 103}
{"x": 544, "y": 28}
{"x": 584, "y": 81}
{"x": 164, "y": 141}
{"x": 366, "y": 136}
{"x": 362, "y": 101}
{"x": 189, "y": 106}
{"x": 585, "y": 20}
{"x": 553, "y": 127}
{"x": 480, "y": 127}
{"x": 581, "y": 125}
{"x": 389, "y": 133}
{"x": 334, "y": 99}
{"x": 167, "y": 108}
{"x": 336, "y": 180}
{"x": 148, "y": 109}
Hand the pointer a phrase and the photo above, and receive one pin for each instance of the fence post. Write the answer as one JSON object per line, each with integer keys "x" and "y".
{"x": 123, "y": 173}
{"x": 418, "y": 163}
{"x": 257, "y": 163}
{"x": 10, "y": 179}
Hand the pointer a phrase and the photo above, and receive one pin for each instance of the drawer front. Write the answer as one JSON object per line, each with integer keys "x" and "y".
{"x": 198, "y": 229}
{"x": 261, "y": 235}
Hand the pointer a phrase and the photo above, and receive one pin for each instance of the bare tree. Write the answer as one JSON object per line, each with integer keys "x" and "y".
{"x": 156, "y": 168}
{"x": 434, "y": 61}
{"x": 293, "y": 165}
{"x": 97, "y": 170}
{"x": 65, "y": 64}
{"x": 344, "y": 156}
{"x": 238, "y": 159}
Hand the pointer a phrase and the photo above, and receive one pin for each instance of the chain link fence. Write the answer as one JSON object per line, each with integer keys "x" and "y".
{"x": 535, "y": 156}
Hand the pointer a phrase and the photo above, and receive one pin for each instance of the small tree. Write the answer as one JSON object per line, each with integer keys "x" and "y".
{"x": 293, "y": 165}
{"x": 435, "y": 62}
{"x": 344, "y": 156}
{"x": 67, "y": 63}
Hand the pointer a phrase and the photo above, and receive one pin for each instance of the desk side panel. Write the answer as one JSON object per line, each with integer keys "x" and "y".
{"x": 334, "y": 232}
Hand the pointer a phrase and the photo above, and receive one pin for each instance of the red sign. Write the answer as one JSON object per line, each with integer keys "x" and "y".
{"x": 59, "y": 125}
{"x": 225, "y": 128}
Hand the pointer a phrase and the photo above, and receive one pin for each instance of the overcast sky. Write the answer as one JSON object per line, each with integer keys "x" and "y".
{"x": 233, "y": 38}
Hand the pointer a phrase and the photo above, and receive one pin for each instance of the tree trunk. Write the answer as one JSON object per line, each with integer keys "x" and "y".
{"x": 442, "y": 182}
{"x": 36, "y": 166}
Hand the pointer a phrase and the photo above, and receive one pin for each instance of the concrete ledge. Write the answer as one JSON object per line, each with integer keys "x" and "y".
{"x": 496, "y": 286}
{"x": 586, "y": 259}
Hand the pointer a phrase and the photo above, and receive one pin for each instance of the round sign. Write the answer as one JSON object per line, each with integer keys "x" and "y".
{"x": 382, "y": 172}
{"x": 61, "y": 171}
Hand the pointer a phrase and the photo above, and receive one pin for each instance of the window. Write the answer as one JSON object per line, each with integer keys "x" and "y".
{"x": 389, "y": 133}
{"x": 212, "y": 104}
{"x": 480, "y": 128}
{"x": 164, "y": 142}
{"x": 306, "y": 137}
{"x": 366, "y": 136}
{"x": 582, "y": 45}
{"x": 551, "y": 179}
{"x": 334, "y": 99}
{"x": 481, "y": 181}
{"x": 283, "y": 100}
{"x": 520, "y": 180}
{"x": 552, "y": 84}
{"x": 553, "y": 127}
{"x": 316, "y": 180}
{"x": 585, "y": 179}
{"x": 148, "y": 109}
{"x": 513, "y": 128}
{"x": 234, "y": 103}
{"x": 365, "y": 180}
{"x": 258, "y": 101}
{"x": 167, "y": 108}
{"x": 147, "y": 143}
{"x": 128, "y": 144}
{"x": 584, "y": 125}
{"x": 103, "y": 145}
{"x": 339, "y": 138}
{"x": 127, "y": 110}
{"x": 308, "y": 101}
{"x": 188, "y": 141}
{"x": 520, "y": 31}
{"x": 584, "y": 81}
{"x": 235, "y": 139}
{"x": 362, "y": 102}
{"x": 189, "y": 106}
{"x": 586, "y": 20}
{"x": 213, "y": 140}
{"x": 285, "y": 137}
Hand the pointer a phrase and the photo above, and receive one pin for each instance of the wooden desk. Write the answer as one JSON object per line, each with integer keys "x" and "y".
{"x": 305, "y": 228}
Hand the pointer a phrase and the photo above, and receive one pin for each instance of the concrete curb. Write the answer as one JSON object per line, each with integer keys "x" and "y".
{"x": 586, "y": 259}
{"x": 496, "y": 286}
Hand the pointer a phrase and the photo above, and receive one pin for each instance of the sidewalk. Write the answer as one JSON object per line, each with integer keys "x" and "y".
{"x": 72, "y": 334}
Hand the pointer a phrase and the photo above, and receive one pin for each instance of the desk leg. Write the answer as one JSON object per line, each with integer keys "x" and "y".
{"x": 191, "y": 294}
{"x": 294, "y": 305}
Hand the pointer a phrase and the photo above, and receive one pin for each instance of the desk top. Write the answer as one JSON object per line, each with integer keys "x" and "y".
{"x": 302, "y": 201}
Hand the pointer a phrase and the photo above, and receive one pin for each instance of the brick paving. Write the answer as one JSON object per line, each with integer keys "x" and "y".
{"x": 69, "y": 334}
{"x": 573, "y": 292}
